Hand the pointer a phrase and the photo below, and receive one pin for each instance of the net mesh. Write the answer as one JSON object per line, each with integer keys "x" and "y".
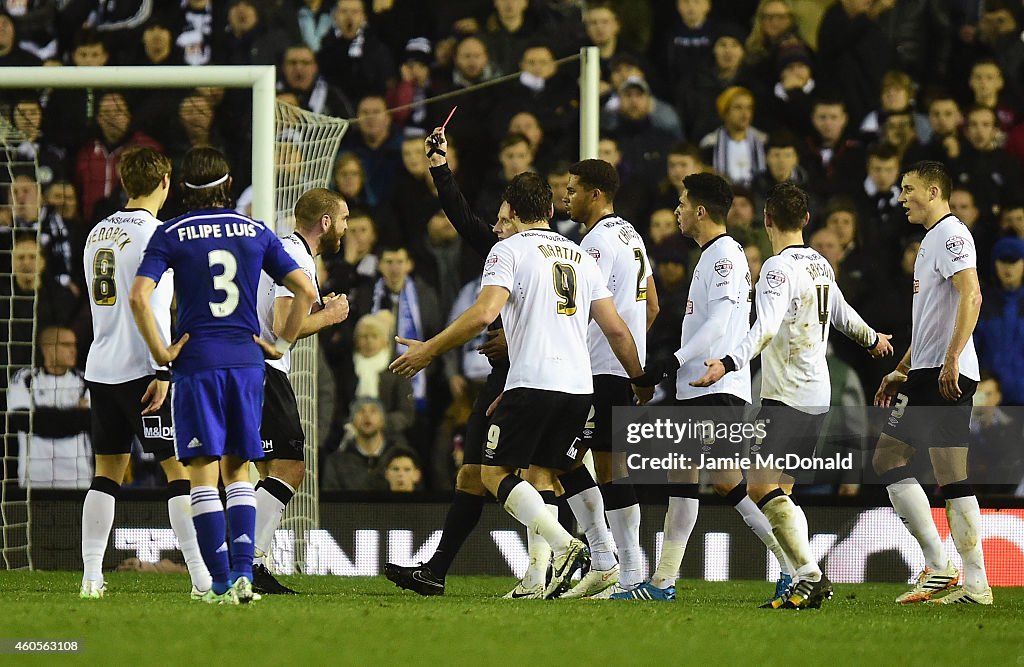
{"x": 17, "y": 333}
{"x": 304, "y": 151}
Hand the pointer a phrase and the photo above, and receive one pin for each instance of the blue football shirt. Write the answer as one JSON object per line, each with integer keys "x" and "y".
{"x": 217, "y": 256}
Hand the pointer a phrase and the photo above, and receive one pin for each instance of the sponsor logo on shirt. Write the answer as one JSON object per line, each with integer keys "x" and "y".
{"x": 689, "y": 307}
{"x": 723, "y": 267}
{"x": 955, "y": 245}
{"x": 775, "y": 278}
{"x": 154, "y": 429}
{"x": 917, "y": 286}
{"x": 491, "y": 261}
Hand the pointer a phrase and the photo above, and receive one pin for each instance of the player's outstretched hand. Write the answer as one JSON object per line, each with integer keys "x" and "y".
{"x": 716, "y": 369}
{"x": 949, "y": 381}
{"x": 883, "y": 348}
{"x": 891, "y": 384}
{"x": 336, "y": 307}
{"x": 643, "y": 394}
{"x": 415, "y": 359}
{"x": 154, "y": 397}
{"x": 496, "y": 347}
{"x": 171, "y": 353}
{"x": 269, "y": 351}
{"x": 494, "y": 405}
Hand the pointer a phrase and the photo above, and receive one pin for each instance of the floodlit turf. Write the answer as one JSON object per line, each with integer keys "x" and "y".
{"x": 148, "y": 619}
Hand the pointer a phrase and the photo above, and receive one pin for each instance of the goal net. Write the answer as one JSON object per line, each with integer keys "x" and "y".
{"x": 292, "y": 151}
{"x": 304, "y": 150}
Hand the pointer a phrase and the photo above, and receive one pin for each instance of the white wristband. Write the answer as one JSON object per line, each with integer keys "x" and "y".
{"x": 283, "y": 346}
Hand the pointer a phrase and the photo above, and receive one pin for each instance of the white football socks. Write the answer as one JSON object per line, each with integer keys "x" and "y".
{"x": 911, "y": 504}
{"x": 588, "y": 508}
{"x": 97, "y": 520}
{"x": 625, "y": 528}
{"x": 758, "y": 523}
{"x": 525, "y": 504}
{"x": 789, "y": 525}
{"x": 269, "y": 510}
{"x": 179, "y": 511}
{"x": 964, "y": 518}
{"x": 680, "y": 519}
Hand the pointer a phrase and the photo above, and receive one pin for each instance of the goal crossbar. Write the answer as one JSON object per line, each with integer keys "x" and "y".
{"x": 260, "y": 78}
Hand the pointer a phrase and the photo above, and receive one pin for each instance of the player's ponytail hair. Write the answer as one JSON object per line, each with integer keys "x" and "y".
{"x": 206, "y": 179}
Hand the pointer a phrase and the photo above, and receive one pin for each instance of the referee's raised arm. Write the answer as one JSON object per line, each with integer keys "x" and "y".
{"x": 475, "y": 231}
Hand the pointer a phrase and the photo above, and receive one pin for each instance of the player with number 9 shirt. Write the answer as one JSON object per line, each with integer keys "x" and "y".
{"x": 218, "y": 363}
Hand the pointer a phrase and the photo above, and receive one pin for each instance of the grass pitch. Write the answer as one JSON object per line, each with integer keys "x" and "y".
{"x": 147, "y": 619}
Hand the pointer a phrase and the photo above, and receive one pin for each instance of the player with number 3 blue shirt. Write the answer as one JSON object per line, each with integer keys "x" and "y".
{"x": 218, "y": 362}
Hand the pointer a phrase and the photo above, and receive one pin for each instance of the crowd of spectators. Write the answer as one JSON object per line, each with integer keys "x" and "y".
{"x": 838, "y": 97}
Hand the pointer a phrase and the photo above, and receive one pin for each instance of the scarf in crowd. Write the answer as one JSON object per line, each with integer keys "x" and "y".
{"x": 408, "y": 325}
{"x": 721, "y": 154}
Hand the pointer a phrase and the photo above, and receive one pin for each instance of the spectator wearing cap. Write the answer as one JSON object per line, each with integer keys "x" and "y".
{"x": 736, "y": 147}
{"x": 787, "y": 104}
{"x": 634, "y": 101}
{"x": 352, "y": 56}
{"x": 696, "y": 102}
{"x": 300, "y": 76}
{"x": 1000, "y": 328}
{"x": 413, "y": 87}
{"x": 358, "y": 462}
{"x": 643, "y": 139}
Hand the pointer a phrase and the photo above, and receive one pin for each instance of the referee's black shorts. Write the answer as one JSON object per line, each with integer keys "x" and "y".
{"x": 478, "y": 422}
{"x": 117, "y": 418}
{"x": 281, "y": 428}
{"x": 922, "y": 417}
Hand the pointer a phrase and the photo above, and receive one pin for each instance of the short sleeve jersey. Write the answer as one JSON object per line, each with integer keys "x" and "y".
{"x": 722, "y": 273}
{"x": 270, "y": 291}
{"x": 217, "y": 256}
{"x": 621, "y": 256}
{"x": 113, "y": 251}
{"x": 947, "y": 249}
{"x": 551, "y": 283}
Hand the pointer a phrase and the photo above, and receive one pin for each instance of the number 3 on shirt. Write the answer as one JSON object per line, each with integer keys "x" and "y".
{"x": 564, "y": 277}
{"x": 225, "y": 282}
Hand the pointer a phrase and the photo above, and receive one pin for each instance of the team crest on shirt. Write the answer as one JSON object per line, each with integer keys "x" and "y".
{"x": 491, "y": 261}
{"x": 775, "y": 278}
{"x": 594, "y": 252}
{"x": 723, "y": 267}
{"x": 955, "y": 245}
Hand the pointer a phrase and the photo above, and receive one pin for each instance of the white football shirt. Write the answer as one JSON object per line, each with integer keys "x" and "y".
{"x": 621, "y": 256}
{"x": 113, "y": 252}
{"x": 947, "y": 249}
{"x": 55, "y": 463}
{"x": 269, "y": 291}
{"x": 716, "y": 319}
{"x": 797, "y": 300}
{"x": 551, "y": 283}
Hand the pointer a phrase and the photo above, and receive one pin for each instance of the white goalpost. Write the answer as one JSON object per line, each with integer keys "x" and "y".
{"x": 292, "y": 150}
